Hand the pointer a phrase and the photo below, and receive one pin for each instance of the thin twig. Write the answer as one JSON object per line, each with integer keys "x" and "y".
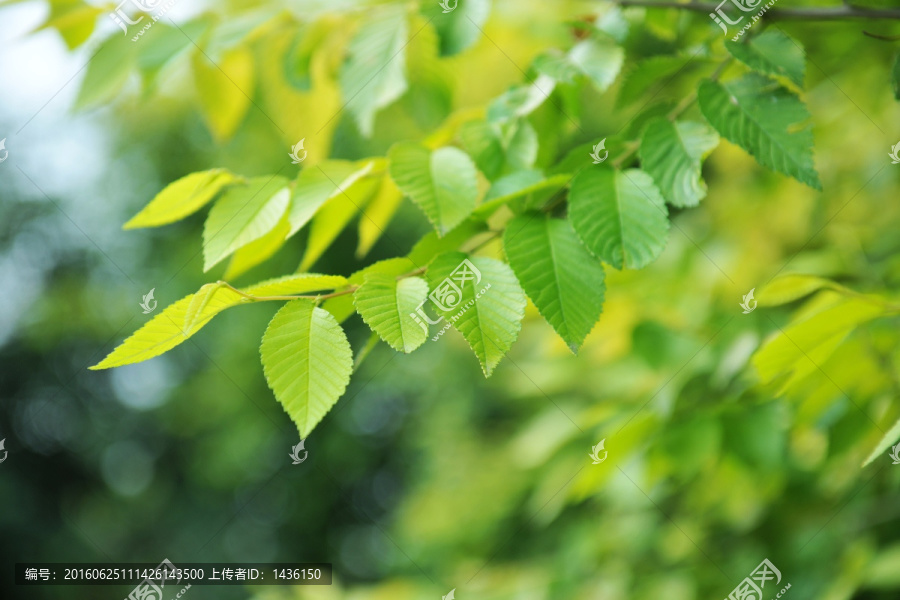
{"x": 848, "y": 11}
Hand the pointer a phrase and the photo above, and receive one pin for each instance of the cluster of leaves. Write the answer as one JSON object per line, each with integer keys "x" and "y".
{"x": 816, "y": 332}
{"x": 518, "y": 171}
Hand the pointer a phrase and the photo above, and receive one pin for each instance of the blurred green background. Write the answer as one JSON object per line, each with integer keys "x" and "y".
{"x": 425, "y": 476}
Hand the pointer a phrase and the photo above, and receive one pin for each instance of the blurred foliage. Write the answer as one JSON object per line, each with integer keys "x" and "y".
{"x": 732, "y": 437}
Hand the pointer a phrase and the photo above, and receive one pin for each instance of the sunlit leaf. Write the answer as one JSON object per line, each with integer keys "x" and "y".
{"x": 489, "y": 310}
{"x": 243, "y": 214}
{"x": 385, "y": 304}
{"x": 443, "y": 183}
{"x": 182, "y": 197}
{"x": 225, "y": 86}
{"x": 378, "y": 214}
{"x": 307, "y": 362}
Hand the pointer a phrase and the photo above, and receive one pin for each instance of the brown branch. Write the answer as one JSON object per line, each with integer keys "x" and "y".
{"x": 839, "y": 13}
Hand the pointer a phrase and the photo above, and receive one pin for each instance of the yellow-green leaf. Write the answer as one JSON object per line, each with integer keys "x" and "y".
{"x": 307, "y": 362}
{"x": 182, "y": 197}
{"x": 224, "y": 89}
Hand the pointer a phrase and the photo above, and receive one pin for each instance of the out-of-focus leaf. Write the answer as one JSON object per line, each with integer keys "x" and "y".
{"x": 182, "y": 197}
{"x": 521, "y": 100}
{"x": 763, "y": 118}
{"x": 378, "y": 214}
{"x": 307, "y": 362}
{"x": 334, "y": 215}
{"x": 460, "y": 27}
{"x": 889, "y": 439}
{"x": 374, "y": 75}
{"x": 600, "y": 60}
{"x": 315, "y": 185}
{"x": 74, "y": 19}
{"x": 788, "y": 288}
{"x": 107, "y": 72}
{"x": 243, "y": 214}
{"x": 772, "y": 53}
{"x": 225, "y": 87}
{"x": 557, "y": 272}
{"x": 619, "y": 215}
{"x": 802, "y": 347}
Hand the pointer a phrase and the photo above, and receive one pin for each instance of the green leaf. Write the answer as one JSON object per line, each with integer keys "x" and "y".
{"x": 182, "y": 197}
{"x": 804, "y": 346}
{"x": 200, "y": 301}
{"x": 764, "y": 119}
{"x": 300, "y": 283}
{"x": 342, "y": 306}
{"x": 385, "y": 304}
{"x": 107, "y": 72}
{"x": 619, "y": 215}
{"x": 334, "y": 216}
{"x": 378, "y": 214}
{"x": 886, "y": 442}
{"x": 168, "y": 328}
{"x": 374, "y": 75}
{"x": 772, "y": 53}
{"x": 461, "y": 27}
{"x": 498, "y": 148}
{"x": 522, "y": 100}
{"x": 788, "y": 288}
{"x": 74, "y": 19}
{"x": 307, "y": 362}
{"x": 598, "y": 59}
{"x": 224, "y": 89}
{"x": 315, "y": 185}
{"x": 671, "y": 154}
{"x": 557, "y": 272}
{"x": 258, "y": 251}
{"x": 432, "y": 244}
{"x": 520, "y": 185}
{"x": 243, "y": 214}
{"x": 657, "y": 74}
{"x": 490, "y": 308}
{"x": 443, "y": 183}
